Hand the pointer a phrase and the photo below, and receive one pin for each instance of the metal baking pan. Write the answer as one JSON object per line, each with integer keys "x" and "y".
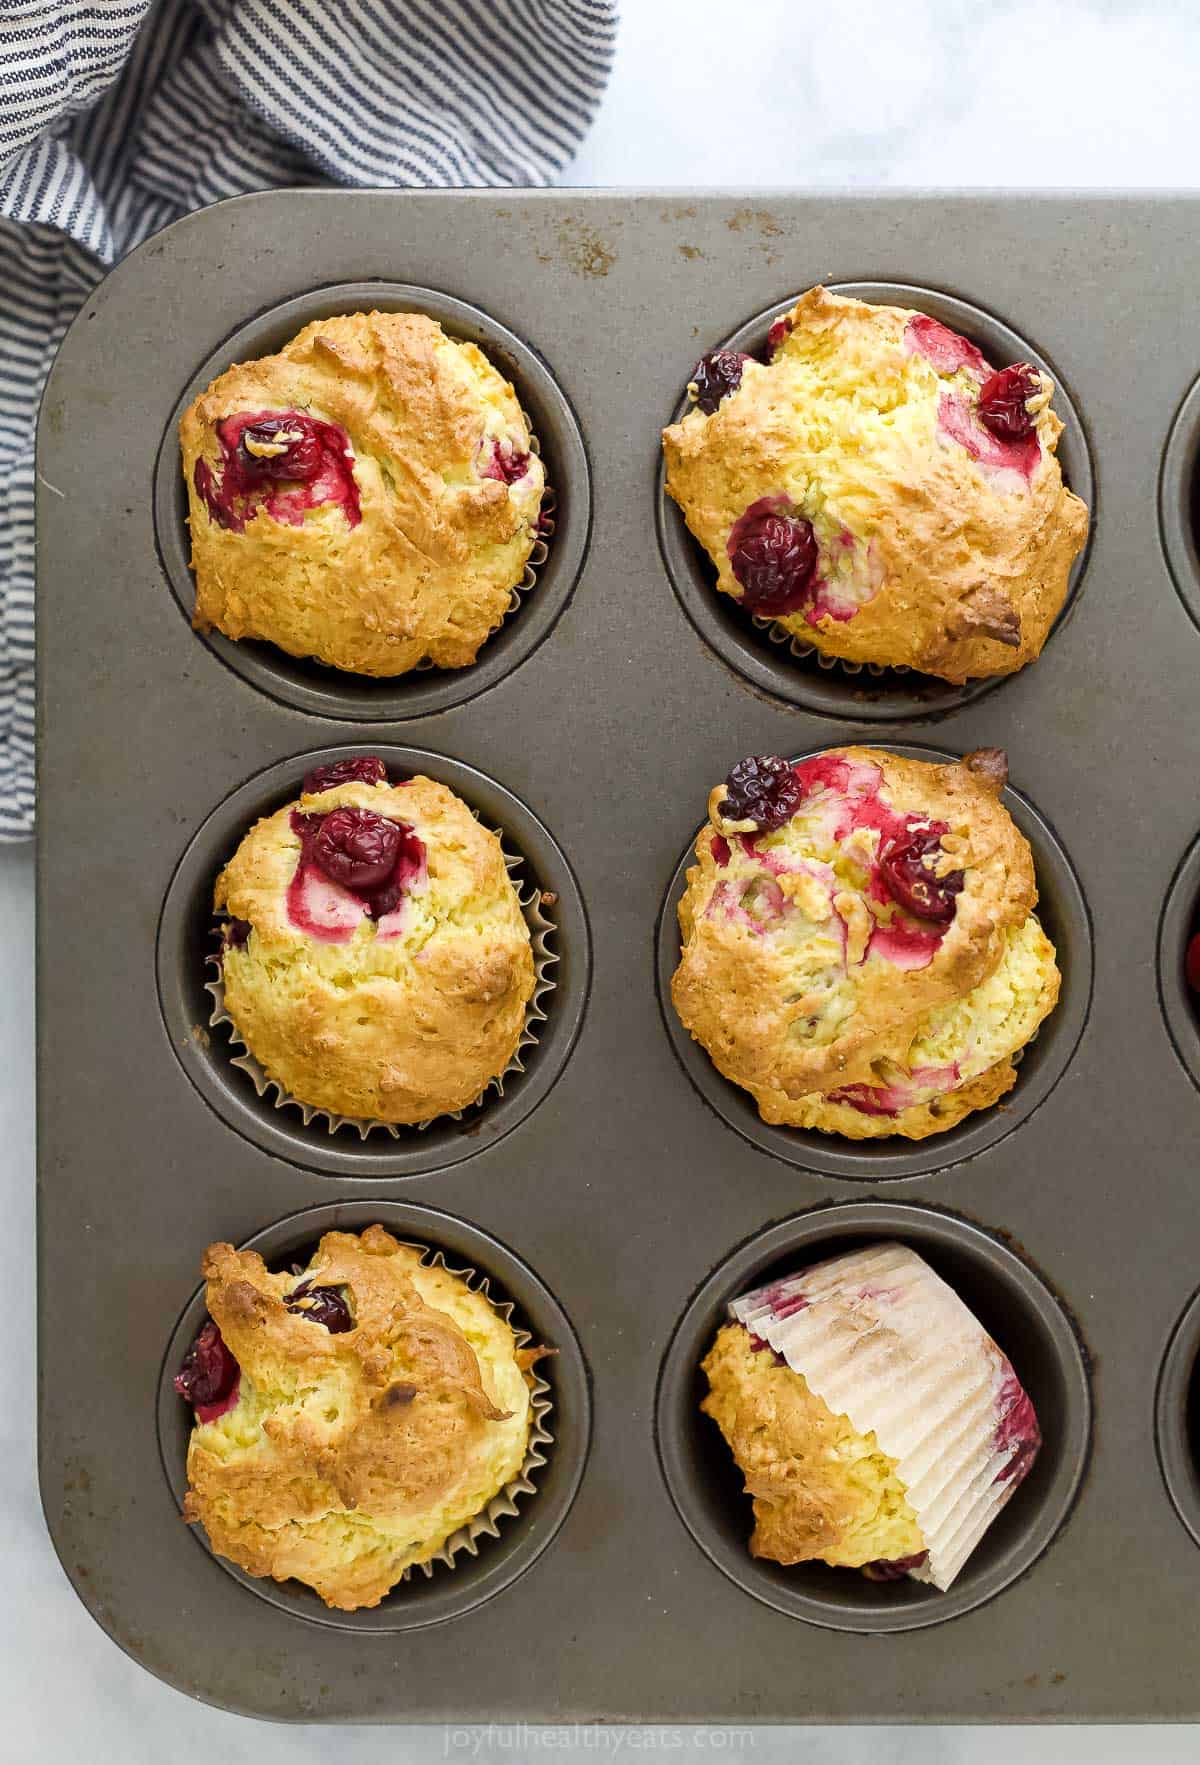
{"x": 621, "y": 1192}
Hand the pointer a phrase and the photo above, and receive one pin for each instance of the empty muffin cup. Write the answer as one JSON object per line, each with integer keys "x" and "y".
{"x": 1179, "y": 501}
{"x": 1179, "y": 964}
{"x": 1177, "y": 1418}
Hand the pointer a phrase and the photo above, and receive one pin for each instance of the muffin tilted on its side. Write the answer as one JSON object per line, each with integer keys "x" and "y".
{"x": 375, "y": 959}
{"x": 876, "y": 1423}
{"x": 859, "y": 947}
{"x": 876, "y": 490}
{"x": 350, "y": 1416}
{"x": 368, "y": 497}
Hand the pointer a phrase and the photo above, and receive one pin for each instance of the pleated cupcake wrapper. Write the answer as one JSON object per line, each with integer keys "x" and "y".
{"x": 883, "y": 1340}
{"x": 503, "y": 1505}
{"x": 533, "y": 562}
{"x": 803, "y": 652}
{"x": 541, "y": 927}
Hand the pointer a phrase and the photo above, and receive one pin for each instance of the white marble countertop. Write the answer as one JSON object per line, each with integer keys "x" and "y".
{"x": 762, "y": 92}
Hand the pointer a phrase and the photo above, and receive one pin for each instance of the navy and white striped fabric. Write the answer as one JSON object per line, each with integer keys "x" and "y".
{"x": 118, "y": 116}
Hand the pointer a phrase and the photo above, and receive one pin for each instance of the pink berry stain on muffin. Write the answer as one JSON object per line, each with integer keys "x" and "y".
{"x": 352, "y": 862}
{"x": 922, "y": 1083}
{"x": 281, "y": 461}
{"x": 858, "y": 947}
{"x": 987, "y": 414}
{"x": 918, "y": 903}
{"x": 1017, "y": 1432}
{"x": 824, "y": 480}
{"x": 503, "y": 460}
{"x": 942, "y": 348}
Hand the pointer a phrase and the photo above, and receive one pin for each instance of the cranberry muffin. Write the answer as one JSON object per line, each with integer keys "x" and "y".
{"x": 879, "y": 492}
{"x": 859, "y": 946}
{"x": 876, "y": 1423}
{"x": 368, "y": 497}
{"x": 350, "y": 1416}
{"x": 376, "y": 961}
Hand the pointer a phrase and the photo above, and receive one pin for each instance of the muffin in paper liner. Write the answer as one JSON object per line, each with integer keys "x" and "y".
{"x": 884, "y": 1342}
{"x": 541, "y": 927}
{"x": 294, "y": 514}
{"x": 822, "y": 481}
{"x": 858, "y": 946}
{"x": 503, "y": 1504}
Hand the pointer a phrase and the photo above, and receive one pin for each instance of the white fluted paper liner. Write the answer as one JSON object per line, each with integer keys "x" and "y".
{"x": 503, "y": 1505}
{"x": 541, "y": 928}
{"x": 779, "y": 634}
{"x": 882, "y": 1339}
{"x": 533, "y": 562}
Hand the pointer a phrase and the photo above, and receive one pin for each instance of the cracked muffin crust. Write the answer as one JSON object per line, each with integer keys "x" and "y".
{"x": 859, "y": 947}
{"x": 878, "y": 492}
{"x": 876, "y": 1423}
{"x": 376, "y": 961}
{"x": 368, "y": 497}
{"x": 362, "y": 1410}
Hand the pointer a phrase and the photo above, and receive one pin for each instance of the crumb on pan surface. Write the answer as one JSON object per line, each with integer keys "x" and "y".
{"x": 395, "y": 1020}
{"x": 408, "y": 543}
{"x": 935, "y": 544}
{"x": 813, "y": 987}
{"x": 348, "y": 1458}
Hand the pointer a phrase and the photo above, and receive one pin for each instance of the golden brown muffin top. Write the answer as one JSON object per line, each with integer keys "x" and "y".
{"x": 803, "y": 968}
{"x": 921, "y": 538}
{"x": 344, "y": 1448}
{"x": 416, "y": 518}
{"x": 397, "y": 1018}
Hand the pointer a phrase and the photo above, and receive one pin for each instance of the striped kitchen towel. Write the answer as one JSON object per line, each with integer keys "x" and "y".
{"x": 120, "y": 115}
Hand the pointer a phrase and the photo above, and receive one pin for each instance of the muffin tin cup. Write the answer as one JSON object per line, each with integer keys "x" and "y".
{"x": 536, "y": 601}
{"x": 1179, "y": 502}
{"x": 771, "y": 657}
{"x": 1012, "y": 1302}
{"x": 1175, "y": 929}
{"x": 258, "y": 1107}
{"x": 541, "y": 928}
{"x": 1177, "y": 1418}
{"x": 1062, "y": 910}
{"x": 490, "y": 1551}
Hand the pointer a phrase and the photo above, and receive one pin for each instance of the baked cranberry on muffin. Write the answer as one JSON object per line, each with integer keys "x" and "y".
{"x": 876, "y": 1423}
{"x": 376, "y": 961}
{"x": 351, "y": 1415}
{"x": 368, "y": 497}
{"x": 879, "y": 491}
{"x": 859, "y": 946}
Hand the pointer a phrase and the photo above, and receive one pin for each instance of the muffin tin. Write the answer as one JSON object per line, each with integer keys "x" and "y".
{"x": 608, "y": 1194}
